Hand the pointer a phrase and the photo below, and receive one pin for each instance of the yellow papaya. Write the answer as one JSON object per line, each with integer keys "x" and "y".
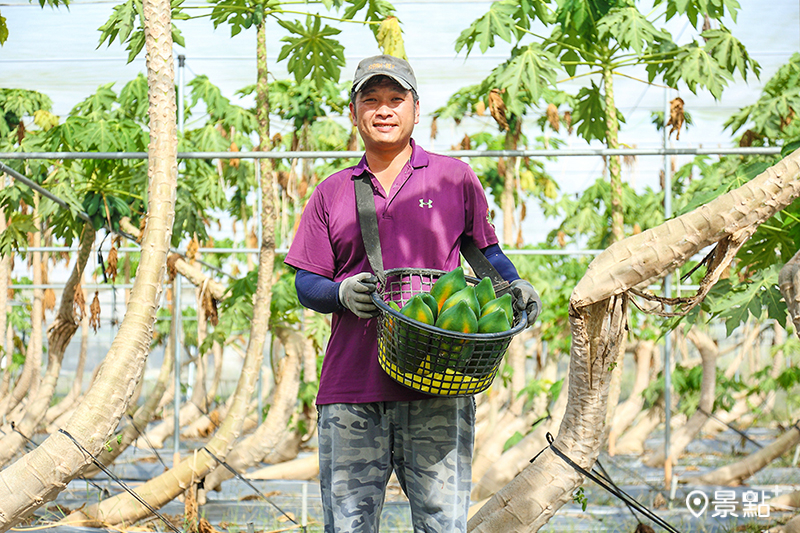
{"x": 418, "y": 310}
{"x": 494, "y": 322}
{"x": 447, "y": 285}
{"x": 459, "y": 317}
{"x": 467, "y": 295}
{"x": 484, "y": 291}
{"x": 504, "y": 302}
{"x": 430, "y": 301}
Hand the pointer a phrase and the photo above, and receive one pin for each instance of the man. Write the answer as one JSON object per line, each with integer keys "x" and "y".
{"x": 369, "y": 425}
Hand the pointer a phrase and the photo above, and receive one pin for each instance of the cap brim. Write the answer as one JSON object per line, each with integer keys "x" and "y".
{"x": 403, "y": 83}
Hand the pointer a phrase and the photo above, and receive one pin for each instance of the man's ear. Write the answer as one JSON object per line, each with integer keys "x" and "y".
{"x": 416, "y": 112}
{"x": 352, "y": 113}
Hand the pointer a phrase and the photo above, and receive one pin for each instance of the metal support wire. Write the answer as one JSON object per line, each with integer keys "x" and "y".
{"x": 609, "y": 486}
{"x": 121, "y": 483}
{"x": 296, "y": 154}
{"x": 241, "y": 478}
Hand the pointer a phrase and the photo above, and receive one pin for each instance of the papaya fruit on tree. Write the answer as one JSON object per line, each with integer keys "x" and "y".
{"x": 467, "y": 295}
{"x": 447, "y": 285}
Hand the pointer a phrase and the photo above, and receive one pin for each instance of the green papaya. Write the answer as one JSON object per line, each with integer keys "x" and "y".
{"x": 394, "y": 306}
{"x": 494, "y": 322}
{"x": 484, "y": 291}
{"x": 504, "y": 302}
{"x": 417, "y": 309}
{"x": 447, "y": 285}
{"x": 459, "y": 317}
{"x": 467, "y": 295}
{"x": 430, "y": 301}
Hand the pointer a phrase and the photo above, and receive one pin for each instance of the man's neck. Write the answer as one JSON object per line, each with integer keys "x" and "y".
{"x": 386, "y": 166}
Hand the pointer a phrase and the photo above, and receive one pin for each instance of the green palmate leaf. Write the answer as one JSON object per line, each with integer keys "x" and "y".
{"x": 126, "y": 24}
{"x": 629, "y": 28}
{"x": 696, "y": 67}
{"x": 3, "y": 30}
{"x": 736, "y": 303}
{"x": 589, "y": 114}
{"x": 15, "y": 237}
{"x": 529, "y": 72}
{"x": 133, "y": 99}
{"x": 97, "y": 105}
{"x": 497, "y": 22}
{"x": 696, "y": 9}
{"x": 376, "y": 10}
{"x": 312, "y": 53}
{"x": 729, "y": 52}
{"x": 579, "y": 17}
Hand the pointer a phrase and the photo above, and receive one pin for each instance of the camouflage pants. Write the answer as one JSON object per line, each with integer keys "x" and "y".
{"x": 428, "y": 444}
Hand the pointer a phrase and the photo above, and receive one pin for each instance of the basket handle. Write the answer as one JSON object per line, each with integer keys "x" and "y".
{"x": 368, "y": 220}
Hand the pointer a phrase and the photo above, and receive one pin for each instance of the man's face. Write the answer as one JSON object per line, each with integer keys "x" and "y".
{"x": 385, "y": 114}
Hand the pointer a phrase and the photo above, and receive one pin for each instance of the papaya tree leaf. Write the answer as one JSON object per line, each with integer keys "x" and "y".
{"x": 311, "y": 51}
{"x": 3, "y": 30}
{"x": 729, "y": 52}
{"x": 697, "y": 68}
{"x": 497, "y": 22}
{"x": 589, "y": 114}
{"x": 628, "y": 27}
{"x": 390, "y": 38}
{"x": 530, "y": 71}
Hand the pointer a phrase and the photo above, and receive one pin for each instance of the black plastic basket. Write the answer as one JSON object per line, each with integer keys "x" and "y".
{"x": 430, "y": 359}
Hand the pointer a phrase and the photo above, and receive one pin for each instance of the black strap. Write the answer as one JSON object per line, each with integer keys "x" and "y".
{"x": 368, "y": 220}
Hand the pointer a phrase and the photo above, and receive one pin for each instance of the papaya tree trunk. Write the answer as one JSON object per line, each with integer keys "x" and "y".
{"x": 597, "y": 322}
{"x": 628, "y": 410}
{"x": 614, "y": 167}
{"x": 167, "y": 486}
{"x": 40, "y": 475}
{"x": 59, "y": 336}
{"x": 789, "y": 282}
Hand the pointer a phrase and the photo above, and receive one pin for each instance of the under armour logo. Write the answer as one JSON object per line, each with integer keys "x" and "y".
{"x": 426, "y": 203}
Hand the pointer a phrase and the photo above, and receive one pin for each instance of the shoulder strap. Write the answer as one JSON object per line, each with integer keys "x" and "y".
{"x": 368, "y": 220}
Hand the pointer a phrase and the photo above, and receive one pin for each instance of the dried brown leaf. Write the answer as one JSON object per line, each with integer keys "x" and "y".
{"x": 562, "y": 239}
{"x": 79, "y": 303}
{"x": 210, "y": 308}
{"x": 142, "y": 226}
{"x": 568, "y": 121}
{"x": 498, "y": 108}
{"x": 94, "y": 309}
{"x": 434, "y": 128}
{"x": 553, "y": 117}
{"x": 192, "y": 247}
{"x": 352, "y": 142}
{"x": 480, "y": 108}
{"x": 49, "y": 299}
{"x": 111, "y": 263}
{"x": 676, "y": 117}
{"x": 172, "y": 270}
{"x": 466, "y": 143}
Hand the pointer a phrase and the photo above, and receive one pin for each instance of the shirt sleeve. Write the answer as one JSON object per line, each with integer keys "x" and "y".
{"x": 311, "y": 248}
{"x": 501, "y": 263}
{"x": 316, "y": 292}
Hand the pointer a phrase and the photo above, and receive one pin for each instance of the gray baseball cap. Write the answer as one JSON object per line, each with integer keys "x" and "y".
{"x": 383, "y": 65}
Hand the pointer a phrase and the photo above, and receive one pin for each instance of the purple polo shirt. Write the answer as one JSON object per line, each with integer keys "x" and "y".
{"x": 434, "y": 200}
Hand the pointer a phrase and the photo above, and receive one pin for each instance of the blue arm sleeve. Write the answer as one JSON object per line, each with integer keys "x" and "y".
{"x": 501, "y": 262}
{"x": 317, "y": 292}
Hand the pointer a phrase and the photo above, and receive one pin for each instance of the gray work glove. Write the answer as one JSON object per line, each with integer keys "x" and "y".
{"x": 354, "y": 294}
{"x": 526, "y": 298}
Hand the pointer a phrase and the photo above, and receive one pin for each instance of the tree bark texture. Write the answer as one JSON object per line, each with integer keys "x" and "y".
{"x": 735, "y": 473}
{"x": 614, "y": 167}
{"x": 597, "y": 322}
{"x": 628, "y": 410}
{"x": 167, "y": 486}
{"x": 789, "y": 283}
{"x": 40, "y": 475}
{"x": 59, "y": 335}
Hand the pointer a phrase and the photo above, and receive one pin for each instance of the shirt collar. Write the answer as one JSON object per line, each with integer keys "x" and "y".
{"x": 419, "y": 159}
